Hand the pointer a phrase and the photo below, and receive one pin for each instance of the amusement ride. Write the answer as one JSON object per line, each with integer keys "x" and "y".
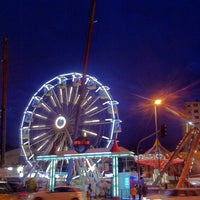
{"x": 48, "y": 123}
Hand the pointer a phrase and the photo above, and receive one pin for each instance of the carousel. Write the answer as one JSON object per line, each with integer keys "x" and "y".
{"x": 157, "y": 157}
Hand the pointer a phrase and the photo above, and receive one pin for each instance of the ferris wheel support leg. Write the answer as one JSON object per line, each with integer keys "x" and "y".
{"x": 70, "y": 171}
{"x": 115, "y": 184}
{"x": 52, "y": 175}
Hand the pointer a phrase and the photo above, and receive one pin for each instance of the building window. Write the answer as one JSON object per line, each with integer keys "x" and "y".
{"x": 196, "y": 111}
{"x": 195, "y": 104}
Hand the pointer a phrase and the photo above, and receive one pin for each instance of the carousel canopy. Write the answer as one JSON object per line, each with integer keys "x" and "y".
{"x": 157, "y": 156}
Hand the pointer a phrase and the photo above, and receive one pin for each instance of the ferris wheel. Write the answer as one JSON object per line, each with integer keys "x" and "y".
{"x": 48, "y": 122}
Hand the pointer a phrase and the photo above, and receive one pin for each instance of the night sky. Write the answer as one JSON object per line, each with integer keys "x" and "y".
{"x": 141, "y": 49}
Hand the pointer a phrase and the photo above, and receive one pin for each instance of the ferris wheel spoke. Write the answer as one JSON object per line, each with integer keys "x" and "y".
{"x": 94, "y": 134}
{"x": 70, "y": 102}
{"x": 105, "y": 137}
{"x": 32, "y": 116}
{"x": 66, "y": 95}
{"x": 40, "y": 127}
{"x": 96, "y": 122}
{"x": 56, "y": 99}
{"x": 69, "y": 139}
{"x": 42, "y": 145}
{"x": 54, "y": 102}
{"x": 86, "y": 100}
{"x": 61, "y": 95}
{"x": 92, "y": 103}
{"x": 95, "y": 113}
{"x": 47, "y": 108}
{"x": 86, "y": 94}
{"x": 75, "y": 94}
{"x": 47, "y": 144}
{"x": 38, "y": 142}
{"x": 52, "y": 146}
{"x": 40, "y": 138}
{"x": 61, "y": 145}
{"x": 40, "y": 116}
{"x": 70, "y": 93}
{"x": 91, "y": 133}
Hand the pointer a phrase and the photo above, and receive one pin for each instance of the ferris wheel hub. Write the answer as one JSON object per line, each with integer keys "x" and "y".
{"x": 60, "y": 122}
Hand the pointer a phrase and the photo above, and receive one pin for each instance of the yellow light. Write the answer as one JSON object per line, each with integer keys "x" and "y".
{"x": 158, "y": 101}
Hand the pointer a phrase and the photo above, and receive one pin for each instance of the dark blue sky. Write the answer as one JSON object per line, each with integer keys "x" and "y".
{"x": 138, "y": 47}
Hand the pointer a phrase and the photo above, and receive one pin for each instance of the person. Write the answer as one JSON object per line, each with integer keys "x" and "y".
{"x": 140, "y": 192}
{"x": 141, "y": 181}
{"x": 133, "y": 192}
{"x": 89, "y": 192}
{"x": 144, "y": 191}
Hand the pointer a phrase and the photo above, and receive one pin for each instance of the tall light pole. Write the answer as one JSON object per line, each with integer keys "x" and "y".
{"x": 4, "y": 100}
{"x": 156, "y": 103}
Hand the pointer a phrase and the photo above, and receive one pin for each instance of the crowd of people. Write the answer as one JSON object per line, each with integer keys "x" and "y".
{"x": 139, "y": 189}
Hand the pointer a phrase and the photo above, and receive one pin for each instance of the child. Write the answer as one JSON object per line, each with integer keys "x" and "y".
{"x": 133, "y": 192}
{"x": 89, "y": 192}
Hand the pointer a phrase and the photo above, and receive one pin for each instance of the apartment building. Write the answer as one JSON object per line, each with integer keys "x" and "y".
{"x": 192, "y": 113}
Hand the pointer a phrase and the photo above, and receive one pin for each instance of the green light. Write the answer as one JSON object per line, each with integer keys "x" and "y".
{"x": 52, "y": 175}
{"x": 115, "y": 185}
{"x": 53, "y": 159}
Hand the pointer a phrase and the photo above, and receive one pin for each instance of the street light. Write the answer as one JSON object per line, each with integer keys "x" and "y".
{"x": 156, "y": 103}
